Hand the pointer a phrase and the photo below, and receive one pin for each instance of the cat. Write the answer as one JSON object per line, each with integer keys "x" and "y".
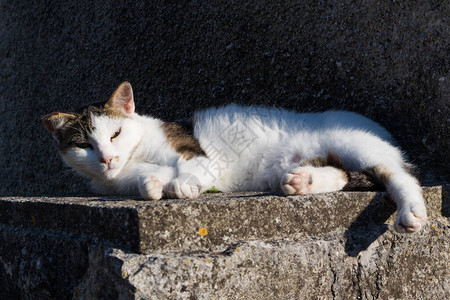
{"x": 234, "y": 148}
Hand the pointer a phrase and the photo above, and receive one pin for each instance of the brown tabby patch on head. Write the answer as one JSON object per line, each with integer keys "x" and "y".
{"x": 74, "y": 132}
{"x": 100, "y": 108}
{"x": 73, "y": 128}
{"x": 181, "y": 139}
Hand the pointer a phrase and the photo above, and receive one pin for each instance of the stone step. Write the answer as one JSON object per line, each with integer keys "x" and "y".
{"x": 392, "y": 266}
{"x": 330, "y": 246}
{"x": 209, "y": 223}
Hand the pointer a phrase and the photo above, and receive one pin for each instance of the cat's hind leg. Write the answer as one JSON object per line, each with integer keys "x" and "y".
{"x": 312, "y": 180}
{"x": 317, "y": 175}
{"x": 321, "y": 175}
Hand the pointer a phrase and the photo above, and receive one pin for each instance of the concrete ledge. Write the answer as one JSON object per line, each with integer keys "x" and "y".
{"x": 173, "y": 225}
{"x": 333, "y": 246}
{"x": 110, "y": 220}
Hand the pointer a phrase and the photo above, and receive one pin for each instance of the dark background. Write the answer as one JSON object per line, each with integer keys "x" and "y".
{"x": 388, "y": 60}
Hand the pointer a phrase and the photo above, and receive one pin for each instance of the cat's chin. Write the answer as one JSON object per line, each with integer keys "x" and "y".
{"x": 111, "y": 173}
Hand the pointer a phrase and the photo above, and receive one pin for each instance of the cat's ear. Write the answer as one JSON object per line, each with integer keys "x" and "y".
{"x": 55, "y": 121}
{"x": 122, "y": 98}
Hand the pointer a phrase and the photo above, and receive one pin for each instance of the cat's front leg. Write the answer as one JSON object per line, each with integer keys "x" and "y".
{"x": 153, "y": 184}
{"x": 184, "y": 186}
{"x": 150, "y": 187}
{"x": 194, "y": 177}
{"x": 146, "y": 179}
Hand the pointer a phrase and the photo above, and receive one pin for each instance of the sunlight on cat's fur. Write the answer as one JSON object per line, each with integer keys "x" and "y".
{"x": 234, "y": 148}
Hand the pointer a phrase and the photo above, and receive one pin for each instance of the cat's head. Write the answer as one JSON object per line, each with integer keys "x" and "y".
{"x": 98, "y": 141}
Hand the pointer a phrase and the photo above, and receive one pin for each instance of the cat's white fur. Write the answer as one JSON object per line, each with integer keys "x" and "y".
{"x": 248, "y": 149}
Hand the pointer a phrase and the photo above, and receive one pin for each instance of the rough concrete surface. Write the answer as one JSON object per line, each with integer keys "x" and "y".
{"x": 173, "y": 225}
{"x": 56, "y": 248}
{"x": 388, "y": 60}
{"x": 36, "y": 264}
{"x": 361, "y": 262}
{"x": 393, "y": 266}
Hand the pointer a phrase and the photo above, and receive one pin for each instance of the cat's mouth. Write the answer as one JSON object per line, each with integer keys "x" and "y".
{"x": 111, "y": 170}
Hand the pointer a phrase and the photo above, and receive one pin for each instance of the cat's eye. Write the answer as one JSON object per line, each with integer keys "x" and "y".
{"x": 116, "y": 134}
{"x": 83, "y": 145}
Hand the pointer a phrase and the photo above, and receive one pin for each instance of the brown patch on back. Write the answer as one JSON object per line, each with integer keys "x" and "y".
{"x": 182, "y": 140}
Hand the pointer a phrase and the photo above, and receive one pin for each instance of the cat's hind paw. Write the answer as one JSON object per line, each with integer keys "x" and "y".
{"x": 151, "y": 188}
{"x": 312, "y": 180}
{"x": 297, "y": 182}
{"x": 411, "y": 219}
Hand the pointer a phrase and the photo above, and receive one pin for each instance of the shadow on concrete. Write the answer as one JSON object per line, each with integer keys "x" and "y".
{"x": 265, "y": 194}
{"x": 104, "y": 277}
{"x": 58, "y": 245}
{"x": 369, "y": 225}
{"x": 115, "y": 225}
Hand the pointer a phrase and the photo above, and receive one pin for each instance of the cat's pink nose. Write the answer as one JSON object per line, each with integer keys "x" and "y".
{"x": 106, "y": 160}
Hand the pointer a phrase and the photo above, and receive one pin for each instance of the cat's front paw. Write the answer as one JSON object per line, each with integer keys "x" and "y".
{"x": 151, "y": 188}
{"x": 312, "y": 180}
{"x": 182, "y": 187}
{"x": 411, "y": 218}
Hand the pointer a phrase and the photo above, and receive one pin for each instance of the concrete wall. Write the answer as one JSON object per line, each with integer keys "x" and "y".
{"x": 388, "y": 60}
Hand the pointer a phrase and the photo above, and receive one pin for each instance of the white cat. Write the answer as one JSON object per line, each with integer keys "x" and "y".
{"x": 233, "y": 148}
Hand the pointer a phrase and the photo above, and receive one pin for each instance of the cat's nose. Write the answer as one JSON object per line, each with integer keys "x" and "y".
{"x": 106, "y": 160}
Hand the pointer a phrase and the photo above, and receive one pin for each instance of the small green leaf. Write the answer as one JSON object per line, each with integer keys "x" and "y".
{"x": 212, "y": 190}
